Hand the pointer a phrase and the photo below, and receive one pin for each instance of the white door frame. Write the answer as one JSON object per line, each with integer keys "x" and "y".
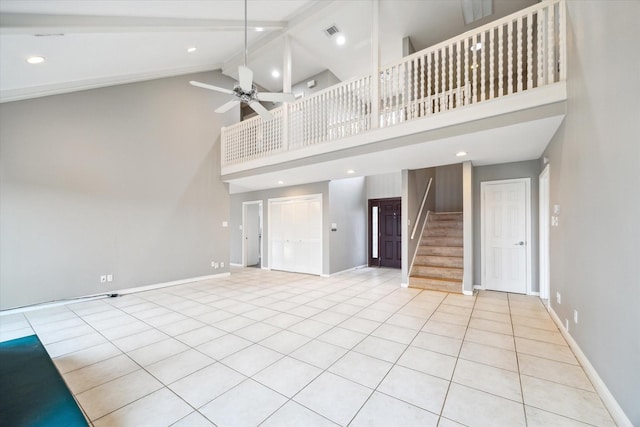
{"x": 483, "y": 186}
{"x": 244, "y": 232}
{"x": 544, "y": 221}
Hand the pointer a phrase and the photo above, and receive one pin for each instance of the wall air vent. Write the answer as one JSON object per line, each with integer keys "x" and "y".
{"x": 331, "y": 31}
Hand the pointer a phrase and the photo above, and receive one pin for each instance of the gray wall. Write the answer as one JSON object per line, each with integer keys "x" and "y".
{"x": 122, "y": 180}
{"x": 529, "y": 169}
{"x": 417, "y": 181}
{"x": 594, "y": 157}
{"x": 348, "y": 210}
{"x": 264, "y": 195}
{"x": 323, "y": 80}
{"x": 449, "y": 188}
{"x": 384, "y": 186}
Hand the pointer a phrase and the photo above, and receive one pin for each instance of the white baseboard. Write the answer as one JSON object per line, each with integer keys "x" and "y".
{"x": 167, "y": 284}
{"x": 404, "y": 285}
{"x": 609, "y": 401}
{"x": 233, "y": 264}
{"x": 91, "y": 297}
{"x": 343, "y": 271}
{"x": 468, "y": 293}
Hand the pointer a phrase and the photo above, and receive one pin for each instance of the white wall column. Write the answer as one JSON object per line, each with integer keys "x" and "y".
{"x": 467, "y": 218}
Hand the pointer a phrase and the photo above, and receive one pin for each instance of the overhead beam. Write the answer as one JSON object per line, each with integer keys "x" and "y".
{"x": 275, "y": 37}
{"x": 26, "y": 23}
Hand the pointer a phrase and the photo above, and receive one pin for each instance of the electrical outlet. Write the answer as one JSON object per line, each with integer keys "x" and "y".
{"x": 222, "y": 265}
{"x": 109, "y": 277}
{"x": 575, "y": 316}
{"x": 103, "y": 279}
{"x": 558, "y": 298}
{"x": 213, "y": 264}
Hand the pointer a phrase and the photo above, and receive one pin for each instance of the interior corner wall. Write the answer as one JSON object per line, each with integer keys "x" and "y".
{"x": 448, "y": 189}
{"x": 122, "y": 180}
{"x": 348, "y": 210}
{"x": 417, "y": 182}
{"x": 235, "y": 218}
{"x": 528, "y": 169}
{"x": 593, "y": 159}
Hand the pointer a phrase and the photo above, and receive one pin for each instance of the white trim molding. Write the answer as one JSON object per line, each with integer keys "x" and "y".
{"x": 601, "y": 388}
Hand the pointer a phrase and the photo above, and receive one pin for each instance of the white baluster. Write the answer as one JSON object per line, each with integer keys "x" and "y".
{"x": 520, "y": 46}
{"x": 540, "y": 48}
{"x": 443, "y": 77}
{"x": 422, "y": 99}
{"x": 562, "y": 40}
{"x": 529, "y": 51}
{"x": 474, "y": 43}
{"x": 459, "y": 84}
{"x": 483, "y": 66}
{"x": 425, "y": 101}
{"x": 450, "y": 89}
{"x": 551, "y": 64}
{"x": 466, "y": 71}
{"x": 492, "y": 61}
{"x": 500, "y": 61}
{"x": 510, "y": 57}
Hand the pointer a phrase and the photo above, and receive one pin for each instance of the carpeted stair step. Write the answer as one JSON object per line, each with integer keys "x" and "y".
{"x": 441, "y": 241}
{"x": 437, "y": 272}
{"x": 447, "y": 216}
{"x": 442, "y": 232}
{"x": 435, "y": 284}
{"x": 456, "y": 251}
{"x": 439, "y": 261}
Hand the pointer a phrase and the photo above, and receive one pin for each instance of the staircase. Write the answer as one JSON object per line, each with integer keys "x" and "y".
{"x": 438, "y": 264}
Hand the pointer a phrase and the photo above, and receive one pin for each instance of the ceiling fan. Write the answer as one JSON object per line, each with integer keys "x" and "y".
{"x": 245, "y": 91}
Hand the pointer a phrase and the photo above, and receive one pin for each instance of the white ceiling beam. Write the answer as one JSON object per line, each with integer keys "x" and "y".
{"x": 25, "y": 23}
{"x": 275, "y": 37}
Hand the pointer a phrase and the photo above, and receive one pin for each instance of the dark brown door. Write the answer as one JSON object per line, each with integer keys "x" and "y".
{"x": 385, "y": 243}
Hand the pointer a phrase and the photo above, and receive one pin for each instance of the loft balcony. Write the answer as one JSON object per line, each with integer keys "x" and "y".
{"x": 497, "y": 91}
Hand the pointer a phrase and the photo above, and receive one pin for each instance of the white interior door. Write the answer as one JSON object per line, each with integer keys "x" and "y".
{"x": 295, "y": 234}
{"x": 505, "y": 235}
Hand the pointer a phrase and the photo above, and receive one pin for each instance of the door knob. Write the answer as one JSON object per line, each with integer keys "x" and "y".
{"x": 519, "y": 243}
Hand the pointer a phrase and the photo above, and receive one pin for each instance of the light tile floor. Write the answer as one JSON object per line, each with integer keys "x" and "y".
{"x": 282, "y": 349}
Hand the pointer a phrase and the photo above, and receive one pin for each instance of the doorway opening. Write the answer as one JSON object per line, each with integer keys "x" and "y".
{"x": 252, "y": 234}
{"x": 385, "y": 232}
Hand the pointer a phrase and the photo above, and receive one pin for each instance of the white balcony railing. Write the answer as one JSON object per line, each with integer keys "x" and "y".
{"x": 520, "y": 52}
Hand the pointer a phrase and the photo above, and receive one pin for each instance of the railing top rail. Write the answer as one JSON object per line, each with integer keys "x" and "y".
{"x": 501, "y": 21}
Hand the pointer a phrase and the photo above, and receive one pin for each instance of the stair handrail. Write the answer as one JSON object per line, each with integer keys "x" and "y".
{"x": 424, "y": 200}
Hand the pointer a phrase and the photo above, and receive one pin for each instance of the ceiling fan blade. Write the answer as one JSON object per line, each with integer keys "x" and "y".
{"x": 258, "y": 108}
{"x": 276, "y": 97}
{"x": 227, "y": 106}
{"x": 245, "y": 78}
{"x": 211, "y": 87}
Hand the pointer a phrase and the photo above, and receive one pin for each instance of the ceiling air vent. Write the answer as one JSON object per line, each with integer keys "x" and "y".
{"x": 331, "y": 31}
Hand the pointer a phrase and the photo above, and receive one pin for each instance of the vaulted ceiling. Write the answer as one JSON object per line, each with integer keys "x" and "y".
{"x": 93, "y": 43}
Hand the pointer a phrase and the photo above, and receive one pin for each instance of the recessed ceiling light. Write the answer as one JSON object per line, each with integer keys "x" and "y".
{"x": 476, "y": 47}
{"x": 35, "y": 59}
{"x": 275, "y": 74}
{"x": 259, "y": 29}
{"x": 461, "y": 153}
{"x": 280, "y": 182}
{"x": 340, "y": 40}
{"x": 192, "y": 49}
{"x": 351, "y": 171}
